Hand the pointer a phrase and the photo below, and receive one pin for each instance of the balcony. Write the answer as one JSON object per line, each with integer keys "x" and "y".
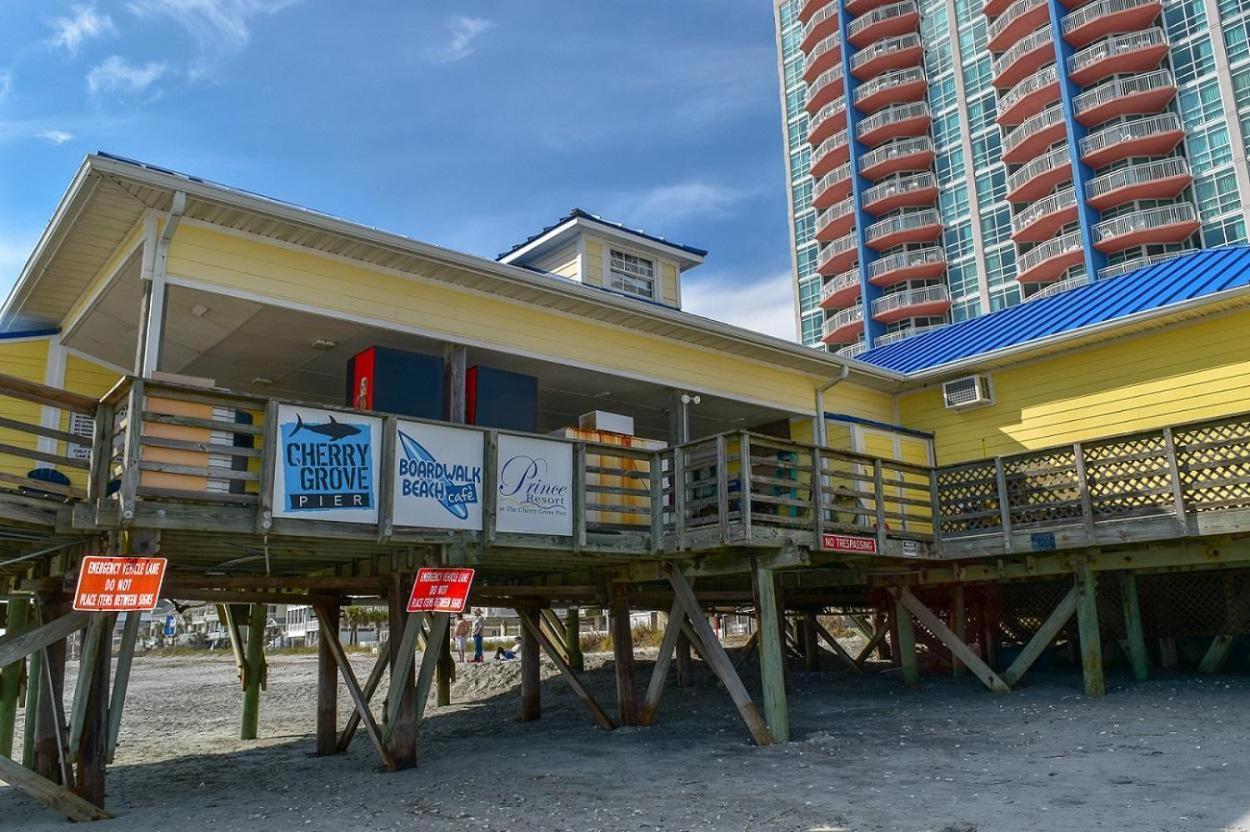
{"x": 904, "y": 154}
{"x": 1047, "y": 262}
{"x": 826, "y": 55}
{"x": 1021, "y": 18}
{"x": 836, "y": 222}
{"x": 833, "y": 187}
{"x": 844, "y": 327}
{"x": 884, "y": 55}
{"x": 904, "y": 191}
{"x": 1157, "y": 179}
{"x": 809, "y": 8}
{"x": 897, "y": 87}
{"x": 838, "y": 256}
{"x": 1119, "y": 54}
{"x": 1040, "y": 176}
{"x": 1149, "y": 226}
{"x": 830, "y": 119}
{"x": 840, "y": 291}
{"x": 833, "y": 152}
{"x": 1148, "y": 93}
{"x": 1126, "y": 266}
{"x": 854, "y": 350}
{"x": 1043, "y": 219}
{"x": 825, "y": 89}
{"x": 917, "y": 264}
{"x": 1035, "y": 135}
{"x": 1104, "y": 17}
{"x": 1029, "y": 97}
{"x": 1059, "y": 288}
{"x": 1150, "y": 136}
{"x": 924, "y": 302}
{"x": 896, "y": 122}
{"x": 823, "y": 24}
{"x": 1025, "y": 57}
{"x": 911, "y": 227}
{"x": 883, "y": 22}
{"x": 903, "y": 334}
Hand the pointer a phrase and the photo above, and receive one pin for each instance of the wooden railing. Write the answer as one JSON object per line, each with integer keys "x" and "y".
{"x": 39, "y": 459}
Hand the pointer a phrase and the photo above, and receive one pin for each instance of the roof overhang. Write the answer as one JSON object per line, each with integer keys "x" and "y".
{"x": 565, "y": 232}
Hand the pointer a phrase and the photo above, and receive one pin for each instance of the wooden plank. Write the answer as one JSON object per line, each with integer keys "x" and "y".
{"x": 371, "y": 686}
{"x": 211, "y": 424}
{"x": 1134, "y": 634}
{"x": 50, "y": 794}
{"x": 530, "y": 623}
{"x": 131, "y": 452}
{"x": 439, "y": 624}
{"x": 1216, "y": 654}
{"x": 199, "y": 447}
{"x": 553, "y": 629}
{"x": 387, "y": 479}
{"x": 33, "y": 391}
{"x": 253, "y": 660}
{"x": 88, "y": 656}
{"x": 714, "y": 654}
{"x": 14, "y": 646}
{"x": 943, "y": 633}
{"x": 353, "y": 690}
{"x": 531, "y": 688}
{"x": 401, "y": 666}
{"x": 121, "y": 681}
{"x": 744, "y": 490}
{"x": 722, "y": 490}
{"x": 905, "y": 644}
{"x": 40, "y": 430}
{"x": 878, "y": 496}
{"x": 206, "y": 471}
{"x": 1041, "y": 639}
{"x": 1004, "y": 502}
{"x": 40, "y": 485}
{"x": 772, "y": 658}
{"x": 959, "y": 626}
{"x": 327, "y": 683}
{"x": 838, "y": 649}
{"x": 1091, "y": 639}
{"x": 54, "y": 713}
{"x": 656, "y": 482}
{"x": 268, "y": 465}
{"x": 1082, "y": 484}
{"x": 41, "y": 456}
{"x": 579, "y": 498}
{"x": 11, "y": 676}
{"x": 659, "y": 673}
{"x": 623, "y": 655}
{"x": 226, "y": 616}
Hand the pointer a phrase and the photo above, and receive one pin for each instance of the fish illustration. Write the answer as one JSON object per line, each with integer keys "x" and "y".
{"x": 333, "y": 429}
{"x": 416, "y": 452}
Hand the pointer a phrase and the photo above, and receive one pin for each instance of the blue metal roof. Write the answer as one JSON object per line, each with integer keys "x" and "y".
{"x": 1180, "y": 279}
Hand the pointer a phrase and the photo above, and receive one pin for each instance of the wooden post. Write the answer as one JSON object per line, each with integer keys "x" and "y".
{"x": 121, "y": 679}
{"x": 530, "y": 622}
{"x": 905, "y": 646}
{"x": 446, "y": 671}
{"x": 772, "y": 658}
{"x": 1042, "y": 638}
{"x": 531, "y": 690}
{"x": 684, "y": 662}
{"x": 11, "y": 676}
{"x": 1087, "y": 623}
{"x": 959, "y": 626}
{"x": 327, "y": 684}
{"x": 991, "y": 612}
{"x": 34, "y": 684}
{"x": 47, "y": 752}
{"x": 811, "y": 643}
{"x": 253, "y": 672}
{"x": 403, "y": 729}
{"x": 944, "y": 635}
{"x": 1133, "y": 631}
{"x": 573, "y": 639}
{"x": 92, "y": 745}
{"x": 623, "y": 655}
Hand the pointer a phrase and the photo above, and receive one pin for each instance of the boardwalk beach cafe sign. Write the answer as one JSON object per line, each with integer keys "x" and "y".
{"x": 534, "y": 486}
{"x": 328, "y": 463}
{"x": 438, "y": 477}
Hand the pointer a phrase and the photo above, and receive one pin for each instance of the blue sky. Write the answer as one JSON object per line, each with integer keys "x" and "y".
{"x": 466, "y": 124}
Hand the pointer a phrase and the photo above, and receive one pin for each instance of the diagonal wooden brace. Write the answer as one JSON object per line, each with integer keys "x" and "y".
{"x": 530, "y": 621}
{"x": 1045, "y": 634}
{"x": 353, "y": 690}
{"x": 943, "y": 633}
{"x": 659, "y": 674}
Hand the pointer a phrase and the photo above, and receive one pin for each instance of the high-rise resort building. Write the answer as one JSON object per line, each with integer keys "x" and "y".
{"x": 947, "y": 158}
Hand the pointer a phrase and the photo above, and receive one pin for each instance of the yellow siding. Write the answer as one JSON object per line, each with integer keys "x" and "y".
{"x": 105, "y": 274}
{"x": 592, "y": 274}
{"x": 668, "y": 282}
{"x": 1198, "y": 371}
{"x": 562, "y": 262}
{"x": 25, "y": 359}
{"x": 286, "y": 275}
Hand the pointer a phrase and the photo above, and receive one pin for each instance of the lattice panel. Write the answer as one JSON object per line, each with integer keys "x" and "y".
{"x": 1129, "y": 478}
{"x": 1195, "y": 604}
{"x": 1042, "y": 487}
{"x": 1025, "y": 606}
{"x": 1214, "y": 462}
{"x": 968, "y": 497}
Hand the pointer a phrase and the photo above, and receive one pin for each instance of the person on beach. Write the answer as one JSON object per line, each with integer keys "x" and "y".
{"x": 479, "y": 623}
{"x": 502, "y": 655}
{"x": 462, "y": 635}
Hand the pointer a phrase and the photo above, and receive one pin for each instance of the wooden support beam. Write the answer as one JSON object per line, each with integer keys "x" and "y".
{"x": 623, "y": 656}
{"x": 403, "y": 654}
{"x": 772, "y": 658}
{"x": 88, "y": 654}
{"x": 530, "y": 624}
{"x": 684, "y": 661}
{"x": 573, "y": 639}
{"x": 90, "y": 747}
{"x": 1041, "y": 639}
{"x": 402, "y": 700}
{"x": 554, "y": 629}
{"x": 11, "y": 675}
{"x": 905, "y": 644}
{"x": 875, "y": 642}
{"x": 531, "y": 687}
{"x": 49, "y": 741}
{"x": 253, "y": 672}
{"x": 838, "y": 650}
{"x": 330, "y": 616}
{"x": 121, "y": 680}
{"x": 943, "y": 634}
{"x": 446, "y": 671}
{"x": 14, "y": 646}
{"x": 225, "y": 614}
{"x": 811, "y": 646}
{"x": 746, "y": 650}
{"x": 52, "y": 708}
{"x": 1216, "y": 654}
{"x": 1090, "y": 637}
{"x": 659, "y": 673}
{"x": 331, "y": 638}
{"x": 50, "y": 794}
{"x": 34, "y": 684}
{"x": 714, "y": 654}
{"x": 1134, "y": 633}
{"x": 371, "y": 685}
{"x": 439, "y": 624}
{"x": 959, "y": 626}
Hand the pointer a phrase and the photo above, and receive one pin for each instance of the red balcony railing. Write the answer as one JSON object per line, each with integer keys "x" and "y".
{"x": 1149, "y": 136}
{"x": 1156, "y": 179}
{"x": 1149, "y": 226}
{"x": 1104, "y": 17}
{"x": 1118, "y": 55}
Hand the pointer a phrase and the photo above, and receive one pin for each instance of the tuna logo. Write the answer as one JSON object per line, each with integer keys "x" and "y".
{"x": 452, "y": 486}
{"x": 332, "y": 429}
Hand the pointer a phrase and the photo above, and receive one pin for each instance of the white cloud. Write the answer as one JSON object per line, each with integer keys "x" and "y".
{"x": 671, "y": 204}
{"x": 117, "y": 75}
{"x": 54, "y": 136}
{"x": 218, "y": 27}
{"x": 765, "y": 305}
{"x": 86, "y": 24}
{"x": 462, "y": 31}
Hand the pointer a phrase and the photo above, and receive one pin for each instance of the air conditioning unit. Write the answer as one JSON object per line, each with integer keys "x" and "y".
{"x": 966, "y": 392}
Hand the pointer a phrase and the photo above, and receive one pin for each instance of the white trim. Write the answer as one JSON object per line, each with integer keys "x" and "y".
{"x": 99, "y": 362}
{"x": 256, "y": 297}
{"x": 657, "y": 273}
{"x": 626, "y": 235}
{"x": 581, "y": 258}
{"x": 53, "y": 376}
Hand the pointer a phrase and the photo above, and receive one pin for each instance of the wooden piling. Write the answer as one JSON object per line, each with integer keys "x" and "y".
{"x": 327, "y": 686}
{"x": 1090, "y": 637}
{"x": 446, "y": 671}
{"x": 34, "y": 683}
{"x": 623, "y": 654}
{"x": 11, "y": 676}
{"x": 772, "y": 657}
{"x": 253, "y": 672}
{"x": 573, "y": 639}
{"x": 47, "y": 753}
{"x": 403, "y": 729}
{"x": 905, "y": 645}
{"x": 93, "y": 744}
{"x": 1133, "y": 630}
{"x": 959, "y": 626}
{"x": 531, "y": 691}
{"x": 684, "y": 662}
{"x": 811, "y": 642}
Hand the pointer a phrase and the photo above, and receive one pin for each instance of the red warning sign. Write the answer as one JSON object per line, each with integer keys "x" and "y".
{"x": 849, "y": 543}
{"x": 119, "y": 584}
{"x": 441, "y": 590}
